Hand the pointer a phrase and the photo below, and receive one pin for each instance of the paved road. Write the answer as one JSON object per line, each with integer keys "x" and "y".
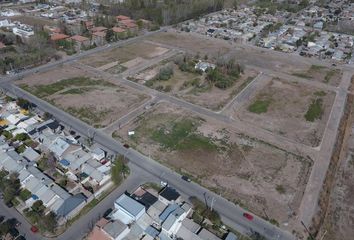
{"x": 25, "y": 228}
{"x": 229, "y": 212}
{"x": 310, "y": 199}
{"x": 247, "y": 93}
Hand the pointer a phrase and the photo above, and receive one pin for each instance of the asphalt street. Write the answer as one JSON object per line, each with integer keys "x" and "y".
{"x": 230, "y": 213}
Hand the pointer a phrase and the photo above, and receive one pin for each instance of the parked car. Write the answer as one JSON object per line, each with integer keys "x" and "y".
{"x": 20, "y": 238}
{"x": 248, "y": 216}
{"x": 126, "y": 145}
{"x": 107, "y": 212}
{"x": 34, "y": 229}
{"x": 185, "y": 178}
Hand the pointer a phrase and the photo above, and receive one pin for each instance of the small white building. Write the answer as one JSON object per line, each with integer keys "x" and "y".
{"x": 128, "y": 210}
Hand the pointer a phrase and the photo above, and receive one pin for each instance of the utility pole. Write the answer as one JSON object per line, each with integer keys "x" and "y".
{"x": 212, "y": 203}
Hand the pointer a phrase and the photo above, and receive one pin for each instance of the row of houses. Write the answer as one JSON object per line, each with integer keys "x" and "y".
{"x": 125, "y": 28}
{"x": 303, "y": 33}
{"x": 87, "y": 170}
{"x": 147, "y": 214}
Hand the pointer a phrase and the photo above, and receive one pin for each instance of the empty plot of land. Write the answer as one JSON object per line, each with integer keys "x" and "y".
{"x": 194, "y": 87}
{"x": 296, "y": 111}
{"x": 196, "y": 43}
{"x": 130, "y": 52}
{"x": 90, "y": 98}
{"x": 323, "y": 74}
{"x": 242, "y": 169}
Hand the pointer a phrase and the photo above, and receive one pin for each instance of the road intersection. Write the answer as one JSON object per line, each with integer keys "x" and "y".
{"x": 150, "y": 170}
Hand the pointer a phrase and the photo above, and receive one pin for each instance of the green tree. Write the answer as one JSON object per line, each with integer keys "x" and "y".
{"x": 119, "y": 170}
{"x": 110, "y": 37}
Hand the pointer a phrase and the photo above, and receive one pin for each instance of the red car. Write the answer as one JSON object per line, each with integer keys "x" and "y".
{"x": 248, "y": 216}
{"x": 34, "y": 229}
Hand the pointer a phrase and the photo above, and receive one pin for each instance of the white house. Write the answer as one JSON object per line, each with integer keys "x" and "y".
{"x": 127, "y": 210}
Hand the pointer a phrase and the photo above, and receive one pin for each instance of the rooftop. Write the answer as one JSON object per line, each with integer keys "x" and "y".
{"x": 129, "y": 204}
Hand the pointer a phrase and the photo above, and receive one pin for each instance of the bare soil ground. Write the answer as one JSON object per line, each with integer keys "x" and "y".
{"x": 339, "y": 221}
{"x": 98, "y": 103}
{"x": 285, "y": 114}
{"x": 247, "y": 171}
{"x": 124, "y": 54}
{"x": 193, "y": 87}
{"x": 34, "y": 21}
{"x": 328, "y": 75}
{"x": 196, "y": 43}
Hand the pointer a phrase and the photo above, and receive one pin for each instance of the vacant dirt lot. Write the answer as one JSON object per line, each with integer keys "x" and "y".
{"x": 140, "y": 51}
{"x": 339, "y": 222}
{"x": 196, "y": 43}
{"x": 194, "y": 87}
{"x": 323, "y": 74}
{"x": 294, "y": 110}
{"x": 242, "y": 169}
{"x": 86, "y": 96}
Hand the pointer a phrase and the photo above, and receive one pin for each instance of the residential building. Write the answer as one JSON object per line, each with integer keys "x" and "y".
{"x": 127, "y": 209}
{"x": 169, "y": 195}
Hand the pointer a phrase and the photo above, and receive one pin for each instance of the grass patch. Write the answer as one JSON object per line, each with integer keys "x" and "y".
{"x": 182, "y": 136}
{"x": 76, "y": 91}
{"x": 316, "y": 68}
{"x": 320, "y": 93}
{"x": 280, "y": 189}
{"x": 330, "y": 75}
{"x": 89, "y": 115}
{"x": 315, "y": 110}
{"x": 302, "y": 75}
{"x": 259, "y": 106}
{"x": 50, "y": 89}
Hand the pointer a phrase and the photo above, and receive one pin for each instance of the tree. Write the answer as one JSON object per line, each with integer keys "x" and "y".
{"x": 22, "y": 137}
{"x": 119, "y": 169}
{"x": 110, "y": 37}
{"x": 23, "y": 103}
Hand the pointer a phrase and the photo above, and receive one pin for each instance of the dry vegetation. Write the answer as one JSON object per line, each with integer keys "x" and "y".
{"x": 133, "y": 51}
{"x": 90, "y": 98}
{"x": 244, "y": 170}
{"x": 294, "y": 110}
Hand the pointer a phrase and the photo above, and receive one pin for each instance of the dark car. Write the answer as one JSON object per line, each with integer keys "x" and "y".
{"x": 2, "y": 218}
{"x": 126, "y": 145}
{"x": 20, "y": 238}
{"x": 248, "y": 216}
{"x": 185, "y": 178}
{"x": 13, "y": 232}
{"x": 9, "y": 205}
{"x": 107, "y": 212}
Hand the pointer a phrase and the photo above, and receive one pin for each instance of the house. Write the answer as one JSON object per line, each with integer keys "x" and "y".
{"x": 89, "y": 25}
{"x": 206, "y": 235}
{"x": 99, "y": 38}
{"x": 76, "y": 159}
{"x": 122, "y": 17}
{"x": 128, "y": 210}
{"x": 98, "y": 29}
{"x": 31, "y": 155}
{"x": 169, "y": 195}
{"x": 231, "y": 236}
{"x": 98, "y": 154}
{"x": 80, "y": 42}
{"x": 59, "y": 146}
{"x": 120, "y": 33}
{"x": 174, "y": 221}
{"x": 98, "y": 233}
{"x": 58, "y": 37}
{"x": 71, "y": 206}
{"x": 129, "y": 24}
{"x": 116, "y": 230}
{"x": 204, "y": 66}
